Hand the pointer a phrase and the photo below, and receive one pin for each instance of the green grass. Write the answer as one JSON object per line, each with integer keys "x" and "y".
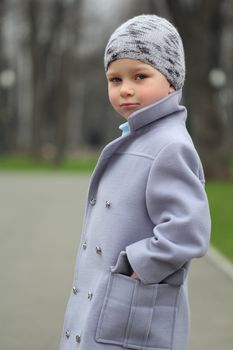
{"x": 24, "y": 163}
{"x": 220, "y": 196}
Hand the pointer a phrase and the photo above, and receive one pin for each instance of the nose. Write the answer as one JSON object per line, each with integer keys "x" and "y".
{"x": 126, "y": 90}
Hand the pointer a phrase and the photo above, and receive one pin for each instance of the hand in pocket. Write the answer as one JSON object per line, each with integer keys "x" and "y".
{"x": 134, "y": 276}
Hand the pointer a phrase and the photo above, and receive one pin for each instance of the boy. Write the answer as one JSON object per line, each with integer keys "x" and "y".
{"x": 147, "y": 213}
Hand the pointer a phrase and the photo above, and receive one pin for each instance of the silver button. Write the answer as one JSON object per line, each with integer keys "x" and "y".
{"x": 84, "y": 245}
{"x": 98, "y": 249}
{"x": 93, "y": 201}
{"x": 107, "y": 204}
{"x": 78, "y": 338}
{"x": 75, "y": 290}
{"x": 67, "y": 333}
{"x": 89, "y": 295}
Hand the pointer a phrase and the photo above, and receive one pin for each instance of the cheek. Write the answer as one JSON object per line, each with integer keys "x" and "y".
{"x": 113, "y": 98}
{"x": 151, "y": 95}
{"x": 111, "y": 95}
{"x": 155, "y": 93}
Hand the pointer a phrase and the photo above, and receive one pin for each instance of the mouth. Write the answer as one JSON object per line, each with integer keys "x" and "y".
{"x": 129, "y": 104}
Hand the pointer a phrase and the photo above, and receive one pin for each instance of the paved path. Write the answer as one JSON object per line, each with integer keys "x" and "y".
{"x": 40, "y": 225}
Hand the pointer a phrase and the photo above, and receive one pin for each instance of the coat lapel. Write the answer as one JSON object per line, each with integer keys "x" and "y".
{"x": 106, "y": 154}
{"x": 140, "y": 118}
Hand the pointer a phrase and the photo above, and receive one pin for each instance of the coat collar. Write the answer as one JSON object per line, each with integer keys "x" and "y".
{"x": 155, "y": 111}
{"x": 144, "y": 116}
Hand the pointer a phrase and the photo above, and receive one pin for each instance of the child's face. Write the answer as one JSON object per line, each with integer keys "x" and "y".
{"x": 133, "y": 84}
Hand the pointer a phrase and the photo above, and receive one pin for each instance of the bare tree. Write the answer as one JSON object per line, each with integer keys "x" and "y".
{"x": 226, "y": 59}
{"x": 52, "y": 63}
{"x": 200, "y": 24}
{"x": 67, "y": 41}
{"x": 7, "y": 121}
{"x": 2, "y": 95}
{"x": 38, "y": 57}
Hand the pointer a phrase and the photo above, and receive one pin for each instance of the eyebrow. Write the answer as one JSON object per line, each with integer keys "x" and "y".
{"x": 133, "y": 70}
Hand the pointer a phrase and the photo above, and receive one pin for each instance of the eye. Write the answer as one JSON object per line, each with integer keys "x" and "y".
{"x": 115, "y": 80}
{"x": 140, "y": 76}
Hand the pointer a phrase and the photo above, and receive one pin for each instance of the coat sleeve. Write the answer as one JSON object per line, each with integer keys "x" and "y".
{"x": 178, "y": 207}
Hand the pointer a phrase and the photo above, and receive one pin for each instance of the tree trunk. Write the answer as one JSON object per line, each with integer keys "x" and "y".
{"x": 159, "y": 8}
{"x": 70, "y": 19}
{"x": 37, "y": 80}
{"x": 226, "y": 57}
{"x": 63, "y": 96}
{"x": 200, "y": 25}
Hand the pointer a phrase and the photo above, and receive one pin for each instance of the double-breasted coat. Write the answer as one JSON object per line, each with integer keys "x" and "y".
{"x": 147, "y": 212}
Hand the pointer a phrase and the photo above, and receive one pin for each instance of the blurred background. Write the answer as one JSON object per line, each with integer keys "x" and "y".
{"x": 53, "y": 99}
{"x": 54, "y": 120}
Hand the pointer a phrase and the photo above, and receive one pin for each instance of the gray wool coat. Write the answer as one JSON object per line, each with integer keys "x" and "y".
{"x": 147, "y": 212}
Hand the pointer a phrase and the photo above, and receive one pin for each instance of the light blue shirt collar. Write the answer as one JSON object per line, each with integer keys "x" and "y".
{"x": 124, "y": 128}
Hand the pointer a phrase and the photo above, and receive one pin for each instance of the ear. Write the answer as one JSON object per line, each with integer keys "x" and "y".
{"x": 171, "y": 89}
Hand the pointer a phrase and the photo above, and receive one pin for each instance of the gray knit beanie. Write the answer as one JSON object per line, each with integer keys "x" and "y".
{"x": 152, "y": 40}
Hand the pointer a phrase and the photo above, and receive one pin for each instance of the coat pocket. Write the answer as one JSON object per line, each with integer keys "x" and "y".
{"x": 137, "y": 316}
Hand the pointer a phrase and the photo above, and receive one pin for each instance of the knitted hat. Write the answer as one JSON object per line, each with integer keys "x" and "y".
{"x": 152, "y": 40}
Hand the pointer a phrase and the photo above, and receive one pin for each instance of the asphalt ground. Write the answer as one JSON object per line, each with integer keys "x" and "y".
{"x": 40, "y": 227}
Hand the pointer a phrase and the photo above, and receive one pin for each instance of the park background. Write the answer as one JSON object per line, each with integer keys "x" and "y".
{"x": 55, "y": 116}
